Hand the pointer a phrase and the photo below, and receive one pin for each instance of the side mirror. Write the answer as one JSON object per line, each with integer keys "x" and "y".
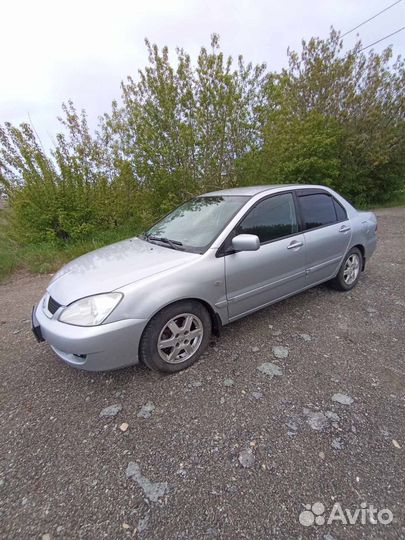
{"x": 245, "y": 242}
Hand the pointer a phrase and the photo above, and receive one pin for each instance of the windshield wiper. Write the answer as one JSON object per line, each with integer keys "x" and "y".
{"x": 174, "y": 244}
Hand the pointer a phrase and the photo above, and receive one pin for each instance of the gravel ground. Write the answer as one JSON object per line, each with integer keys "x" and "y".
{"x": 224, "y": 449}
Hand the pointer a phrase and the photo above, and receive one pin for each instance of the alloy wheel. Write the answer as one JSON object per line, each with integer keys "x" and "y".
{"x": 180, "y": 338}
{"x": 351, "y": 269}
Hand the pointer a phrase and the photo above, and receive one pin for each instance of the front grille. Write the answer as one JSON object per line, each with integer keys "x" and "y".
{"x": 53, "y": 305}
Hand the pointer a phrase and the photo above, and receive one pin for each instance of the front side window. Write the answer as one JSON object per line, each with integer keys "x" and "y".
{"x": 317, "y": 210}
{"x": 271, "y": 219}
{"x": 195, "y": 225}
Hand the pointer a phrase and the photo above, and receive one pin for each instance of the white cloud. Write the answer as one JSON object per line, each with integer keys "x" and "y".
{"x": 56, "y": 50}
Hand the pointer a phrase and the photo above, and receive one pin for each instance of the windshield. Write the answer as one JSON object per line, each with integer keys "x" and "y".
{"x": 195, "y": 225}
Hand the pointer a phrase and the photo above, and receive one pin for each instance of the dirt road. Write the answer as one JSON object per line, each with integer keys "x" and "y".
{"x": 222, "y": 450}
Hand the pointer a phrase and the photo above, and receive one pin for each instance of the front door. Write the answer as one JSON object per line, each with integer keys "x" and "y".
{"x": 277, "y": 269}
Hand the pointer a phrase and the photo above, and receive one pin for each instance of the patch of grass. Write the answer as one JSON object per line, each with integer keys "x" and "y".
{"x": 48, "y": 257}
{"x": 7, "y": 247}
{"x": 397, "y": 200}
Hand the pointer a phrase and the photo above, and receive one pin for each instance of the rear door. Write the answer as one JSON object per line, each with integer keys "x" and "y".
{"x": 327, "y": 233}
{"x": 277, "y": 268}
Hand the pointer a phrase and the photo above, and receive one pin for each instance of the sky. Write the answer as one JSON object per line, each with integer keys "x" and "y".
{"x": 55, "y": 50}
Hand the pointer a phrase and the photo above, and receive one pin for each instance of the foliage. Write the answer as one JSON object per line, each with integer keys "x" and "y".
{"x": 45, "y": 256}
{"x": 180, "y": 129}
{"x": 337, "y": 119}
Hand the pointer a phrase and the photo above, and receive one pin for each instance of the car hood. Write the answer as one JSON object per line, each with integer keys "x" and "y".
{"x": 112, "y": 267}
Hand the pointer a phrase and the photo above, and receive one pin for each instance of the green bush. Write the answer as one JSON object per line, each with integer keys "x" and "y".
{"x": 180, "y": 129}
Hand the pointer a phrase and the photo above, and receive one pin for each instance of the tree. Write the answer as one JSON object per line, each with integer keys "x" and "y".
{"x": 182, "y": 128}
{"x": 337, "y": 119}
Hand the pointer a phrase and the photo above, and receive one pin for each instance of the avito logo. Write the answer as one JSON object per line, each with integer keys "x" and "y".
{"x": 315, "y": 514}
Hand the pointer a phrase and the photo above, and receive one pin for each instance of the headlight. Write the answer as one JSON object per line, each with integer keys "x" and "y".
{"x": 92, "y": 310}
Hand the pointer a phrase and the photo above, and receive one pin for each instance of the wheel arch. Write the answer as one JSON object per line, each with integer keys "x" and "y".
{"x": 215, "y": 318}
{"x": 362, "y": 250}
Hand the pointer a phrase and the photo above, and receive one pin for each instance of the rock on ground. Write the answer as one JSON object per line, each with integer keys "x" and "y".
{"x": 143, "y": 524}
{"x": 246, "y": 458}
{"x": 337, "y": 444}
{"x": 272, "y": 370}
{"x": 110, "y": 411}
{"x": 152, "y": 490}
{"x": 333, "y": 417}
{"x": 316, "y": 420}
{"x": 280, "y": 352}
{"x": 146, "y": 410}
{"x": 343, "y": 399}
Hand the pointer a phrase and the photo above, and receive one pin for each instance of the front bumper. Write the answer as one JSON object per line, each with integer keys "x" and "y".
{"x": 35, "y": 326}
{"x": 94, "y": 348}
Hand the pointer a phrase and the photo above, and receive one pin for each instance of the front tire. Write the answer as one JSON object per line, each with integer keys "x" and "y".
{"x": 176, "y": 337}
{"x": 349, "y": 272}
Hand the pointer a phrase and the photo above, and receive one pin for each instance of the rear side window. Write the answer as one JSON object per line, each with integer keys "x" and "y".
{"x": 271, "y": 219}
{"x": 317, "y": 210}
{"x": 340, "y": 211}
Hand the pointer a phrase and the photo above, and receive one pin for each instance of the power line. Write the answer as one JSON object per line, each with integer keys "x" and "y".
{"x": 371, "y": 18}
{"x": 382, "y": 39}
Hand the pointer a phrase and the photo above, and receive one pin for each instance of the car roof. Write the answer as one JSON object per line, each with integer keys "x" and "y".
{"x": 250, "y": 191}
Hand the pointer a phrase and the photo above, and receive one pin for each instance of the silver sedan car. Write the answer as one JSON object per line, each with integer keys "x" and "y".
{"x": 157, "y": 298}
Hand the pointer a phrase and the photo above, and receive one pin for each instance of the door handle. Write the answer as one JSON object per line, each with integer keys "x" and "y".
{"x": 295, "y": 244}
{"x": 344, "y": 228}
